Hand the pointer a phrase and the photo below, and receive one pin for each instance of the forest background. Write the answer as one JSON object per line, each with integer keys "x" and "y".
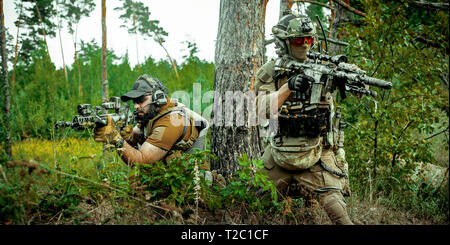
{"x": 396, "y": 144}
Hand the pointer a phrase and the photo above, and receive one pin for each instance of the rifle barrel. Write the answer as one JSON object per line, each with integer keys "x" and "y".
{"x": 377, "y": 82}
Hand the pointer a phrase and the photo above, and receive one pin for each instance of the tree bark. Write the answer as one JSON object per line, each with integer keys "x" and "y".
{"x": 239, "y": 54}
{"x": 5, "y": 82}
{"x": 340, "y": 15}
{"x": 104, "y": 75}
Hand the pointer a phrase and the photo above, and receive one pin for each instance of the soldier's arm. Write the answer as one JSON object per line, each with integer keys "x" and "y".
{"x": 269, "y": 99}
{"x": 148, "y": 153}
{"x": 270, "y": 102}
{"x": 164, "y": 135}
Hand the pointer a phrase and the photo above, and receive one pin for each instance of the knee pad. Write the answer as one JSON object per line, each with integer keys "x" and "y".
{"x": 334, "y": 205}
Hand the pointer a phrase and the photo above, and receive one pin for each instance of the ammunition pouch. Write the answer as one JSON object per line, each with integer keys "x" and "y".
{"x": 313, "y": 121}
{"x": 296, "y": 153}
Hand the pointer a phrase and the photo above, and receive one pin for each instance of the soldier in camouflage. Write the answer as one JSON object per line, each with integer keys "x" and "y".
{"x": 307, "y": 147}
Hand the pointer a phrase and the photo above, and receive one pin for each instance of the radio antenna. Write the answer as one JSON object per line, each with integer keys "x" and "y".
{"x": 323, "y": 33}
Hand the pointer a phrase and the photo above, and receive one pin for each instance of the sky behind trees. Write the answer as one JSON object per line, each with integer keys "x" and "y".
{"x": 184, "y": 20}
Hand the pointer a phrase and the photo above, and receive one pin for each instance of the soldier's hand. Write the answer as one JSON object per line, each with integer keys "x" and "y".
{"x": 107, "y": 134}
{"x": 127, "y": 133}
{"x": 300, "y": 82}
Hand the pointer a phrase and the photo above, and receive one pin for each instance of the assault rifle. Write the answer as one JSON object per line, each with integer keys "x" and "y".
{"x": 330, "y": 72}
{"x": 88, "y": 118}
{"x": 309, "y": 114}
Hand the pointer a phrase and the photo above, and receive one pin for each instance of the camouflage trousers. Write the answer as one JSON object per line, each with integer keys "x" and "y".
{"x": 328, "y": 186}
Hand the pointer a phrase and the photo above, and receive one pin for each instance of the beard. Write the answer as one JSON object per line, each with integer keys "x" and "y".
{"x": 147, "y": 116}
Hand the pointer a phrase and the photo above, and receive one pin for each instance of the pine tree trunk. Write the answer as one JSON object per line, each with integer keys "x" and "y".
{"x": 75, "y": 61}
{"x": 104, "y": 76}
{"x": 13, "y": 76}
{"x": 5, "y": 82}
{"x": 61, "y": 46}
{"x": 174, "y": 67}
{"x": 238, "y": 55}
{"x": 43, "y": 31}
{"x": 136, "y": 37}
{"x": 284, "y": 4}
{"x": 340, "y": 15}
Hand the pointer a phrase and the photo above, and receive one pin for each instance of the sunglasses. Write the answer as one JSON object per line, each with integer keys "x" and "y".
{"x": 299, "y": 41}
{"x": 141, "y": 99}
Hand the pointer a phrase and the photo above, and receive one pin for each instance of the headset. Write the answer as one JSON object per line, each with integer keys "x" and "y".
{"x": 159, "y": 97}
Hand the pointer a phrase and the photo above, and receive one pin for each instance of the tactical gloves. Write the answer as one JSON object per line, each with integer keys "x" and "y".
{"x": 108, "y": 134}
{"x": 300, "y": 82}
{"x": 127, "y": 133}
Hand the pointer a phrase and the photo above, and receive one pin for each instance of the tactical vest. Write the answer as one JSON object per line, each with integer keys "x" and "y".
{"x": 181, "y": 146}
{"x": 306, "y": 123}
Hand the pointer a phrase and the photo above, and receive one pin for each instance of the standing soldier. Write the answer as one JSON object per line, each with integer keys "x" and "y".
{"x": 306, "y": 147}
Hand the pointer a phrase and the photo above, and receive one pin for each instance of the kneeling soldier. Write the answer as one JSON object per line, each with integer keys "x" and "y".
{"x": 304, "y": 149}
{"x": 165, "y": 129}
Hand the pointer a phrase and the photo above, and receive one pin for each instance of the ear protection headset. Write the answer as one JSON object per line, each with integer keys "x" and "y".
{"x": 159, "y": 97}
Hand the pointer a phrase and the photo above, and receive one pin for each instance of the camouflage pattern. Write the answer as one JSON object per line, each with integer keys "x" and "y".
{"x": 297, "y": 153}
{"x": 154, "y": 83}
{"x": 293, "y": 25}
{"x": 320, "y": 183}
{"x": 304, "y": 159}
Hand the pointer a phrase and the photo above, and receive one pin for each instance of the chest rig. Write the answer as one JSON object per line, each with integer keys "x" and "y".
{"x": 307, "y": 113}
{"x": 181, "y": 145}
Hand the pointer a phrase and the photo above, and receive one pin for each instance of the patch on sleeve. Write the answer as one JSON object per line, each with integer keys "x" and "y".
{"x": 157, "y": 133}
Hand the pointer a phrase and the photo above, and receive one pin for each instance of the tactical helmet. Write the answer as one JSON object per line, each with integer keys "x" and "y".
{"x": 292, "y": 25}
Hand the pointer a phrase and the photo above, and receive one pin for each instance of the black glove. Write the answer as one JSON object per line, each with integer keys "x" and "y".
{"x": 300, "y": 82}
